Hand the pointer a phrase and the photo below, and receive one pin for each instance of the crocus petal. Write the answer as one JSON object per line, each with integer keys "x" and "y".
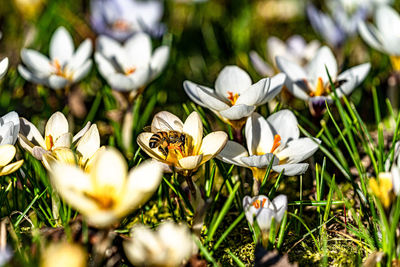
{"x": 64, "y": 140}
{"x": 57, "y": 82}
{"x": 56, "y": 126}
{"x": 259, "y": 135}
{"x": 232, "y": 153}
{"x": 194, "y": 128}
{"x": 31, "y": 133}
{"x": 112, "y": 50}
{"x": 13, "y": 118}
{"x": 192, "y": 92}
{"x": 260, "y": 162}
{"x": 81, "y": 132}
{"x": 121, "y": 82}
{"x": 166, "y": 121}
{"x": 89, "y": 143}
{"x": 7, "y": 153}
{"x": 212, "y": 144}
{"x": 138, "y": 190}
{"x": 3, "y": 67}
{"x": 387, "y": 21}
{"x": 255, "y": 93}
{"x": 262, "y": 67}
{"x": 6, "y": 133}
{"x": 371, "y": 35}
{"x": 291, "y": 169}
{"x": 274, "y": 89}
{"x": 36, "y": 61}
{"x": 143, "y": 141}
{"x": 322, "y": 62}
{"x": 232, "y": 79}
{"x": 298, "y": 150}
{"x": 264, "y": 219}
{"x": 352, "y": 77}
{"x": 237, "y": 112}
{"x": 138, "y": 48}
{"x": 82, "y": 71}
{"x": 140, "y": 77}
{"x": 61, "y": 46}
{"x": 159, "y": 60}
{"x": 210, "y": 99}
{"x": 10, "y": 168}
{"x": 281, "y": 204}
{"x": 109, "y": 171}
{"x": 287, "y": 131}
{"x": 29, "y": 76}
{"x": 104, "y": 65}
{"x": 81, "y": 55}
{"x": 296, "y": 77}
{"x": 191, "y": 162}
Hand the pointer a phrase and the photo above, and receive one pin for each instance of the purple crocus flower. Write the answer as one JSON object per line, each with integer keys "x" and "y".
{"x": 120, "y": 19}
{"x": 335, "y": 30}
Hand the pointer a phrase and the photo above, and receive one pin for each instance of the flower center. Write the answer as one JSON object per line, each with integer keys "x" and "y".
{"x": 104, "y": 202}
{"x": 59, "y": 70}
{"x": 233, "y": 97}
{"x": 49, "y": 142}
{"x": 130, "y": 71}
{"x": 276, "y": 144}
{"x": 319, "y": 89}
{"x": 258, "y": 203}
{"x": 121, "y": 25}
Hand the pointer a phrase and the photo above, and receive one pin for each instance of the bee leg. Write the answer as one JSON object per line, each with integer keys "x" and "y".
{"x": 164, "y": 151}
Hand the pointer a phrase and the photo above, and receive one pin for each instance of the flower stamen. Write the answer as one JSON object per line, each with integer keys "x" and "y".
{"x": 121, "y": 25}
{"x": 258, "y": 203}
{"x": 276, "y": 144}
{"x": 319, "y": 89}
{"x": 49, "y": 142}
{"x": 233, "y": 97}
{"x": 130, "y": 71}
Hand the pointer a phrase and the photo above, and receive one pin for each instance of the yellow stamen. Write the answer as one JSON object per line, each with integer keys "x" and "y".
{"x": 395, "y": 60}
{"x": 276, "y": 144}
{"x": 49, "y": 142}
{"x": 319, "y": 90}
{"x": 57, "y": 66}
{"x": 233, "y": 97}
{"x": 382, "y": 188}
{"x": 130, "y": 71}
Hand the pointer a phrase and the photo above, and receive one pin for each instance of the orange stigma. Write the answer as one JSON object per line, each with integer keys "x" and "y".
{"x": 233, "y": 97}
{"x": 57, "y": 66}
{"x": 121, "y": 25}
{"x": 319, "y": 90}
{"x": 276, "y": 144}
{"x": 258, "y": 203}
{"x": 130, "y": 71}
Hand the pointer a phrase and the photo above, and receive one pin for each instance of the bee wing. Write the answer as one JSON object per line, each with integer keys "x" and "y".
{"x": 164, "y": 125}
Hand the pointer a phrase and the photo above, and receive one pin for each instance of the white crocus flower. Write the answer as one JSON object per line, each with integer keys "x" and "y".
{"x": 169, "y": 246}
{"x": 3, "y": 64}
{"x": 57, "y": 135}
{"x": 107, "y": 192}
{"x": 235, "y": 96}
{"x": 385, "y": 37}
{"x": 276, "y": 138}
{"x": 130, "y": 66}
{"x": 264, "y": 210}
{"x": 64, "y": 67}
{"x": 9, "y": 128}
{"x": 311, "y": 83}
{"x": 191, "y": 150}
{"x": 294, "y": 49}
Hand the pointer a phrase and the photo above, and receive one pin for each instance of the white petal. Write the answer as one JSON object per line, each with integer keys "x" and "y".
{"x": 3, "y": 67}
{"x": 260, "y": 65}
{"x": 104, "y": 65}
{"x": 121, "y": 82}
{"x": 112, "y": 50}
{"x": 210, "y": 99}
{"x": 159, "y": 60}
{"x": 61, "y": 46}
{"x": 281, "y": 204}
{"x": 29, "y": 76}
{"x": 353, "y": 77}
{"x": 56, "y": 126}
{"x": 143, "y": 141}
{"x": 255, "y": 93}
{"x": 89, "y": 143}
{"x": 36, "y": 61}
{"x": 63, "y": 140}
{"x": 212, "y": 144}
{"x": 276, "y": 47}
{"x": 261, "y": 162}
{"x": 232, "y": 153}
{"x": 237, "y": 112}
{"x": 194, "y": 128}
{"x": 138, "y": 48}
{"x": 299, "y": 150}
{"x": 7, "y": 153}
{"x": 191, "y": 162}
{"x": 371, "y": 35}
{"x": 191, "y": 91}
{"x": 81, "y": 55}
{"x": 324, "y": 60}
{"x": 275, "y": 87}
{"x": 166, "y": 121}
{"x": 31, "y": 133}
{"x": 259, "y": 135}
{"x": 232, "y": 79}
{"x": 387, "y": 21}
{"x": 57, "y": 82}
{"x": 82, "y": 71}
{"x": 291, "y": 169}
{"x": 140, "y": 77}
{"x": 288, "y": 130}
{"x": 81, "y": 132}
{"x": 6, "y": 133}
{"x": 13, "y": 118}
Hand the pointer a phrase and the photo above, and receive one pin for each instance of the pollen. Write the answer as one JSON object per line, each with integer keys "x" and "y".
{"x": 258, "y": 203}
{"x": 49, "y": 142}
{"x": 130, "y": 71}
{"x": 233, "y": 97}
{"x": 276, "y": 144}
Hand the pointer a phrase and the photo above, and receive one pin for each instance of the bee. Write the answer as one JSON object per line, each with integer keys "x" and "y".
{"x": 167, "y": 138}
